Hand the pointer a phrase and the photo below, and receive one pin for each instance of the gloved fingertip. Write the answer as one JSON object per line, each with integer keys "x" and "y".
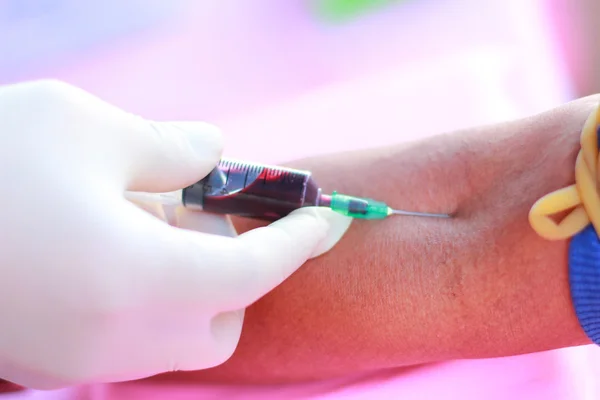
{"x": 166, "y": 156}
{"x": 155, "y": 209}
{"x": 335, "y": 226}
{"x": 206, "y": 140}
{"x": 214, "y": 224}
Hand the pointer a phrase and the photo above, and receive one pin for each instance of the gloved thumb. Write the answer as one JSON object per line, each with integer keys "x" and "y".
{"x": 337, "y": 226}
{"x": 146, "y": 155}
{"x": 167, "y": 156}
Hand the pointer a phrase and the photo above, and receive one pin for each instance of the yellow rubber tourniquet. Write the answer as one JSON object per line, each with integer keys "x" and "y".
{"x": 582, "y": 197}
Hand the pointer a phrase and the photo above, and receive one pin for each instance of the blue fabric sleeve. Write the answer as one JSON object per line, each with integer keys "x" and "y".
{"x": 584, "y": 279}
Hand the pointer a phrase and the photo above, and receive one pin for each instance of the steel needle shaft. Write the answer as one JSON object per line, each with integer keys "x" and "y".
{"x": 418, "y": 214}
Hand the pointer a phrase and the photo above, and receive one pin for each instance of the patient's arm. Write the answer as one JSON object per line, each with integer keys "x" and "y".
{"x": 410, "y": 290}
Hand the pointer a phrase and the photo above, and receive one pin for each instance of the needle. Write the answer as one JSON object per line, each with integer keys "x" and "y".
{"x": 418, "y": 214}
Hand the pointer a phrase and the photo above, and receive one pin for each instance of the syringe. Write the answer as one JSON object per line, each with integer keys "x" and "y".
{"x": 267, "y": 192}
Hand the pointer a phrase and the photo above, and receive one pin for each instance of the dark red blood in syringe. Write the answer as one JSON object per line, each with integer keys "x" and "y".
{"x": 253, "y": 191}
{"x": 9, "y": 387}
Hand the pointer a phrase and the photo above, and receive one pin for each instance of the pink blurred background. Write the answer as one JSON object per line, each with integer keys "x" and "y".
{"x": 272, "y": 69}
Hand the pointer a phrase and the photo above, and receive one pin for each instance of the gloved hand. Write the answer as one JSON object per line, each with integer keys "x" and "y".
{"x": 92, "y": 287}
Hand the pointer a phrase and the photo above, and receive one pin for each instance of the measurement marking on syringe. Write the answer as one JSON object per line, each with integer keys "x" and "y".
{"x": 227, "y": 177}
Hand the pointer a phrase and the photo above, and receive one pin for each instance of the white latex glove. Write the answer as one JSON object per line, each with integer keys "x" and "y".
{"x": 92, "y": 287}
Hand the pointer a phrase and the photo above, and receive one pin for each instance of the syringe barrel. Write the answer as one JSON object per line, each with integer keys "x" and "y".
{"x": 252, "y": 190}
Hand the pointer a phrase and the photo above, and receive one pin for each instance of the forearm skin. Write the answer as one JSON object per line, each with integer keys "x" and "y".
{"x": 407, "y": 290}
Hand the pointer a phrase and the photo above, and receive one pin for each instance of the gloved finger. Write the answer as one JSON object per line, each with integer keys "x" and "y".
{"x": 204, "y": 222}
{"x": 223, "y": 273}
{"x": 276, "y": 251}
{"x": 143, "y": 155}
{"x": 187, "y": 279}
{"x": 167, "y": 156}
{"x": 155, "y": 209}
